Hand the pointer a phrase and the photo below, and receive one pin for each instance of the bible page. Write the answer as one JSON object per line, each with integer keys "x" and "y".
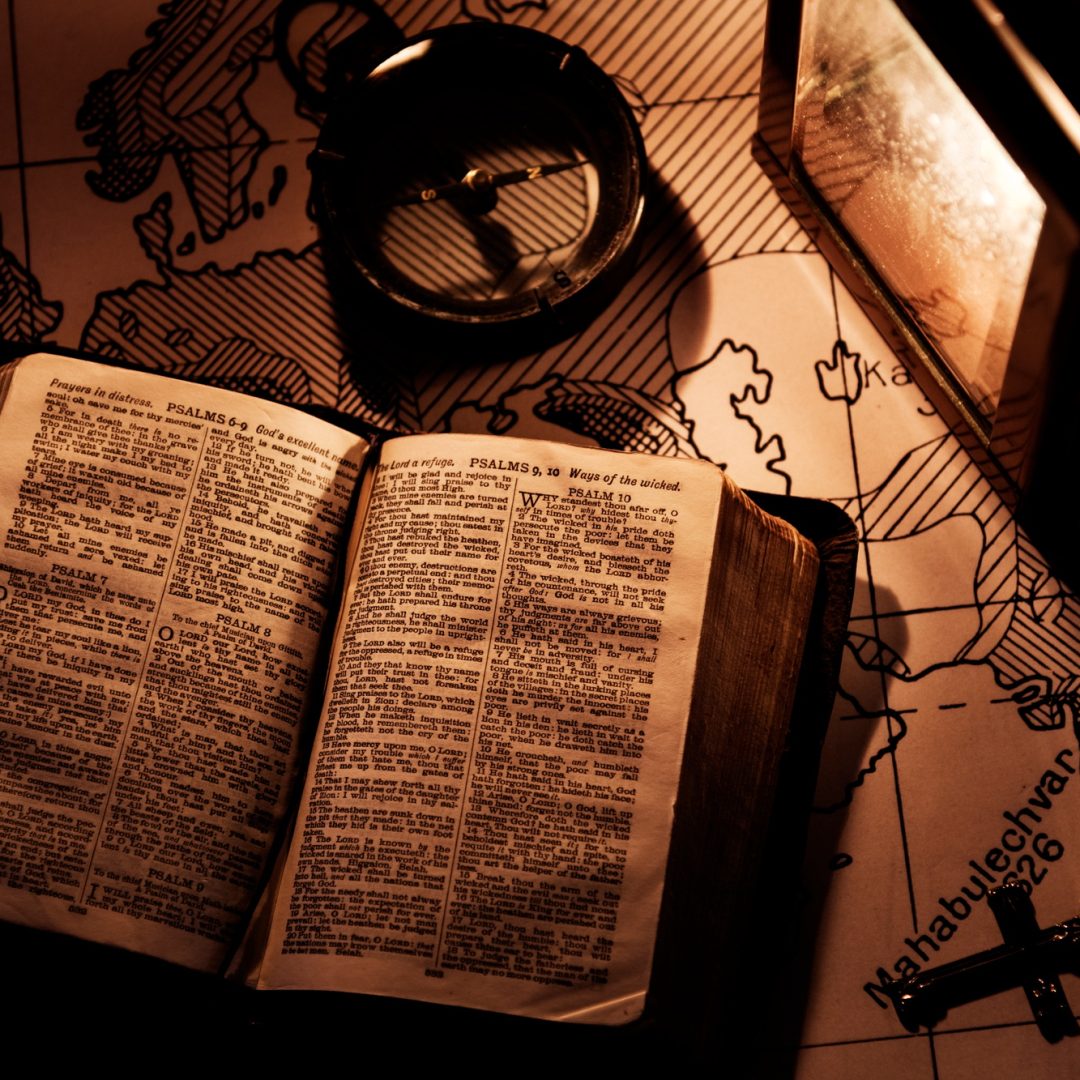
{"x": 167, "y": 552}
{"x": 488, "y": 809}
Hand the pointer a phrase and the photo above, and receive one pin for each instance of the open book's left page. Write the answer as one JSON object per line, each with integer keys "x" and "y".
{"x": 167, "y": 558}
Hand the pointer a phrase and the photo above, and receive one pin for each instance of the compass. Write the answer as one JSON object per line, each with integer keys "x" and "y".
{"x": 482, "y": 183}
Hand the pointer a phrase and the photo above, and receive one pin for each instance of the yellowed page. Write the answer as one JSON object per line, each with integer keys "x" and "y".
{"x": 487, "y": 814}
{"x": 166, "y": 558}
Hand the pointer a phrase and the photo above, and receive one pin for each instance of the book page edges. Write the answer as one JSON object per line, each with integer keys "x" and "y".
{"x": 761, "y": 591}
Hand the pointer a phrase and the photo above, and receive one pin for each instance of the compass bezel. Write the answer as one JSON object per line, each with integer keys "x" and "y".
{"x": 381, "y": 114}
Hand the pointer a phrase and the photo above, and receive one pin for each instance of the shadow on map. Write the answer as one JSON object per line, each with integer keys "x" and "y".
{"x": 863, "y": 734}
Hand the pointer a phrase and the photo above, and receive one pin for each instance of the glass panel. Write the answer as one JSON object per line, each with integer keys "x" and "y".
{"x": 919, "y": 181}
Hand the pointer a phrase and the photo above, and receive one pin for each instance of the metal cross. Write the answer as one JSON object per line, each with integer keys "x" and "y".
{"x": 1031, "y": 957}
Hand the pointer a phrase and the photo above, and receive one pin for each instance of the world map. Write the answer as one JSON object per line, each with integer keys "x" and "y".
{"x": 154, "y": 209}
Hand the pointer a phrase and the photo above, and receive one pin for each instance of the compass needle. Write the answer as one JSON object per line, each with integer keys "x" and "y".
{"x": 476, "y": 181}
{"x": 534, "y": 172}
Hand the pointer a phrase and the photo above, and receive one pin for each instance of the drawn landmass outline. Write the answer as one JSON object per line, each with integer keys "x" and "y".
{"x": 264, "y": 326}
{"x": 25, "y": 315}
{"x": 182, "y": 95}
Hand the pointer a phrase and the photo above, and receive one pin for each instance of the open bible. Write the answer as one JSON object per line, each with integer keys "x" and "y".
{"x": 404, "y": 718}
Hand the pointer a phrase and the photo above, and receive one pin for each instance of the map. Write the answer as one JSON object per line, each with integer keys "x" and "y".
{"x": 154, "y": 207}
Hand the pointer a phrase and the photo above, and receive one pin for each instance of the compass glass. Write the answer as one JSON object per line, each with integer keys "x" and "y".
{"x": 498, "y": 242}
{"x": 483, "y": 175}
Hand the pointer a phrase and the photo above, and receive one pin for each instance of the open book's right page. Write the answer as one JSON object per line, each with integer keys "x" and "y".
{"x": 487, "y": 814}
